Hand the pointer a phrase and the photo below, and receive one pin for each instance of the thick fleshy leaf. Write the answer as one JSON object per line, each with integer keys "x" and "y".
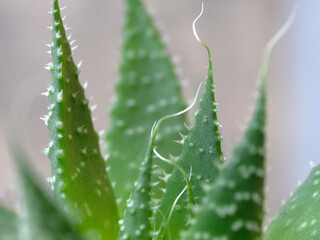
{"x": 299, "y": 218}
{"x": 8, "y": 224}
{"x": 136, "y": 224}
{"x": 147, "y": 90}
{"x": 201, "y": 155}
{"x": 232, "y": 208}
{"x": 79, "y": 178}
{"x": 41, "y": 218}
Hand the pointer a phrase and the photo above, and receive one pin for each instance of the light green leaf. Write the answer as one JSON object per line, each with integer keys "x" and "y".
{"x": 147, "y": 90}
{"x": 79, "y": 179}
{"x": 298, "y": 218}
{"x": 8, "y": 224}
{"x": 41, "y": 218}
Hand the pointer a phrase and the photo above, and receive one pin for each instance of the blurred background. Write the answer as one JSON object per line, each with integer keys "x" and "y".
{"x": 235, "y": 30}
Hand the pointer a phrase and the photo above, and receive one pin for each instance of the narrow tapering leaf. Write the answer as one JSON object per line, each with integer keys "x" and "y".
{"x": 200, "y": 156}
{"x": 41, "y": 217}
{"x": 79, "y": 178}
{"x": 136, "y": 224}
{"x": 8, "y": 224}
{"x": 298, "y": 218}
{"x": 233, "y": 205}
{"x": 146, "y": 91}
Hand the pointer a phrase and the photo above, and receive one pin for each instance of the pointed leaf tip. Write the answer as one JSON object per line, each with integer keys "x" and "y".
{"x": 80, "y": 180}
{"x": 201, "y": 152}
{"x": 136, "y": 222}
{"x": 146, "y": 91}
{"x": 233, "y": 206}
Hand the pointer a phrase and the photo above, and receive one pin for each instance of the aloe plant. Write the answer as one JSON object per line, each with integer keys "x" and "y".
{"x": 198, "y": 196}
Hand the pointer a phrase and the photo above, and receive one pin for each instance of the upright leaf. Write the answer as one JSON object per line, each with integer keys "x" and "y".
{"x": 79, "y": 178}
{"x": 136, "y": 224}
{"x": 201, "y": 155}
{"x": 8, "y": 224}
{"x": 41, "y": 218}
{"x": 146, "y": 91}
{"x": 233, "y": 206}
{"x": 298, "y": 218}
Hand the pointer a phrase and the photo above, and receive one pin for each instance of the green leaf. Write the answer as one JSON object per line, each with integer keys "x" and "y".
{"x": 41, "y": 218}
{"x": 136, "y": 224}
{"x": 201, "y": 155}
{"x": 147, "y": 90}
{"x": 138, "y": 214}
{"x": 79, "y": 178}
{"x": 232, "y": 208}
{"x": 298, "y": 218}
{"x": 8, "y": 224}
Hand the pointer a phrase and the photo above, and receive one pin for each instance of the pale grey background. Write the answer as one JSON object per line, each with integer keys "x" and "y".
{"x": 235, "y": 30}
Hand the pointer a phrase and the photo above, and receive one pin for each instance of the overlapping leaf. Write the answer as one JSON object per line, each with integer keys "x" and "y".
{"x": 233, "y": 206}
{"x": 41, "y": 218}
{"x": 136, "y": 224}
{"x": 146, "y": 91}
{"x": 299, "y": 218}
{"x": 8, "y": 224}
{"x": 201, "y": 155}
{"x": 79, "y": 178}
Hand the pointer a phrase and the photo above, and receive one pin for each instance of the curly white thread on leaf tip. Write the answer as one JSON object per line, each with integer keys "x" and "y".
{"x": 194, "y": 24}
